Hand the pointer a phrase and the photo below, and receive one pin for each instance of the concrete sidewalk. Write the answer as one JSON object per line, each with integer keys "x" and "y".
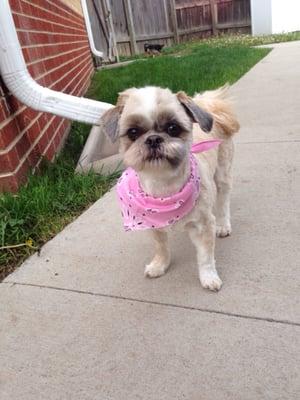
{"x": 80, "y": 321}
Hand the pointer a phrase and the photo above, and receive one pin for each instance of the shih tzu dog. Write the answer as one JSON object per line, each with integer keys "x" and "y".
{"x": 179, "y": 153}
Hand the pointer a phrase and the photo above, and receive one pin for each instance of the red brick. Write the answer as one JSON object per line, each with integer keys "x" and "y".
{"x": 64, "y": 73}
{"x": 50, "y": 152}
{"x": 22, "y": 173}
{"x": 29, "y": 38}
{"x": 42, "y": 52}
{"x": 54, "y": 6}
{"x": 44, "y": 119}
{"x": 83, "y": 77}
{"x": 31, "y": 9}
{"x": 43, "y": 142}
{"x": 31, "y": 54}
{"x": 15, "y": 5}
{"x": 56, "y": 141}
{"x": 4, "y": 110}
{"x": 33, "y": 159}
{"x": 22, "y": 146}
{"x": 35, "y": 152}
{"x": 26, "y": 117}
{"x": 16, "y": 19}
{"x": 53, "y": 62}
{"x": 2, "y": 114}
{"x": 29, "y": 22}
{"x": 68, "y": 11}
{"x": 56, "y": 134}
{"x": 33, "y": 132}
{"x": 56, "y": 122}
{"x": 70, "y": 80}
{"x": 13, "y": 104}
{"x": 9, "y": 161}
{"x": 8, "y": 133}
{"x": 36, "y": 70}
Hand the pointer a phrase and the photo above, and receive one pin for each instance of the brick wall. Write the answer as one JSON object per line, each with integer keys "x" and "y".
{"x": 56, "y": 50}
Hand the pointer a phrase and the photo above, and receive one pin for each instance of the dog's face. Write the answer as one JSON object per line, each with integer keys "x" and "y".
{"x": 154, "y": 127}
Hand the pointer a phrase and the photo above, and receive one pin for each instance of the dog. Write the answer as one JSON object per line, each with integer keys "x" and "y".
{"x": 153, "y": 49}
{"x": 156, "y": 130}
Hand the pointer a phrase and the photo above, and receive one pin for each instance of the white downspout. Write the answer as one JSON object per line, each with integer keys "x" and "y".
{"x": 18, "y": 80}
{"x": 96, "y": 52}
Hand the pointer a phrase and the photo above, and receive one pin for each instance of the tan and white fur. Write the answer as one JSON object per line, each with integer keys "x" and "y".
{"x": 155, "y": 129}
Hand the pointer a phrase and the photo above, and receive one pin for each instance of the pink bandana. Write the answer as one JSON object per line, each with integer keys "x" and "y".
{"x": 141, "y": 211}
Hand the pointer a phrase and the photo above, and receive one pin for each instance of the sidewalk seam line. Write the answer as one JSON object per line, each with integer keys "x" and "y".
{"x": 191, "y": 308}
{"x": 270, "y": 142}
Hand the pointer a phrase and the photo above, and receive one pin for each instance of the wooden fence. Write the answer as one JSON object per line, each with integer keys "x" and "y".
{"x": 136, "y": 22}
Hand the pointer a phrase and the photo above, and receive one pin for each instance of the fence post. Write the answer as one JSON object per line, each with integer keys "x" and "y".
{"x": 214, "y": 17}
{"x": 112, "y": 29}
{"x": 166, "y": 15}
{"x": 129, "y": 18}
{"x": 174, "y": 20}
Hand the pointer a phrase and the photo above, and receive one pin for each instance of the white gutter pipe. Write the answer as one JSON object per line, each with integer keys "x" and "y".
{"x": 18, "y": 80}
{"x": 85, "y": 10}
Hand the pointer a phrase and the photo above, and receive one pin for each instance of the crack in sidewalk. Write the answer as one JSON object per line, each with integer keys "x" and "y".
{"x": 158, "y": 303}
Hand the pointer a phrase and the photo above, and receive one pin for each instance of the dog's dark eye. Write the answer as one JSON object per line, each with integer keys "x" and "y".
{"x": 173, "y": 129}
{"x": 133, "y": 133}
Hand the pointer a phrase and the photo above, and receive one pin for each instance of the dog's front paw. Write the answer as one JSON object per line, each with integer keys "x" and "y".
{"x": 223, "y": 229}
{"x": 155, "y": 270}
{"x": 209, "y": 279}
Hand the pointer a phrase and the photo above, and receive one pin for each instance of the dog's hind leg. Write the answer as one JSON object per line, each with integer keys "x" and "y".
{"x": 161, "y": 261}
{"x": 223, "y": 180}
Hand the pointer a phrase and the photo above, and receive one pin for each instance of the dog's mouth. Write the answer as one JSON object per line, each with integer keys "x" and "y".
{"x": 169, "y": 156}
{"x": 157, "y": 157}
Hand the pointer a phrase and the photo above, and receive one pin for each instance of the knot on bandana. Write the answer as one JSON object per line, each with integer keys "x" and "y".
{"x": 141, "y": 211}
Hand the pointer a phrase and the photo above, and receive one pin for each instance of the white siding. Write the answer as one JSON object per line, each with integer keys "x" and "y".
{"x": 261, "y": 14}
{"x": 275, "y": 16}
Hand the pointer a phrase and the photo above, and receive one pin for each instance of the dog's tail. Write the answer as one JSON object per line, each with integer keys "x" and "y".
{"x": 217, "y": 103}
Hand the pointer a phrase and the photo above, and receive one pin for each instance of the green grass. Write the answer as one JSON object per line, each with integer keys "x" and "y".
{"x": 223, "y": 41}
{"x": 55, "y": 196}
{"x": 205, "y": 67}
{"x": 49, "y": 201}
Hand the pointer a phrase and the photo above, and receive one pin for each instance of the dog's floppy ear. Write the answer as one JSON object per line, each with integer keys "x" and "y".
{"x": 109, "y": 121}
{"x": 204, "y": 119}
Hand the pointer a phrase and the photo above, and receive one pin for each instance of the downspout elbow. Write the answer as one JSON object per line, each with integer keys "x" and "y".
{"x": 40, "y": 98}
{"x": 18, "y": 80}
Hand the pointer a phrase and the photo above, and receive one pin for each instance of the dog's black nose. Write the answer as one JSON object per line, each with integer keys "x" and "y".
{"x": 154, "y": 141}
